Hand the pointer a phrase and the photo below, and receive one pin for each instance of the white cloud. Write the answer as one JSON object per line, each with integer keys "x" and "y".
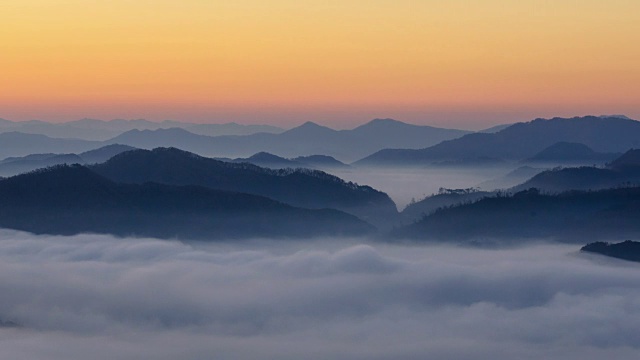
{"x": 104, "y": 298}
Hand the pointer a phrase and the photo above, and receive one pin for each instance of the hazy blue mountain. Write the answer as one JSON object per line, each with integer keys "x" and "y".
{"x": 445, "y": 198}
{"x": 520, "y": 141}
{"x": 630, "y": 159}
{"x": 304, "y": 140}
{"x": 19, "y": 144}
{"x": 73, "y": 199}
{"x": 300, "y": 187}
{"x": 172, "y": 137}
{"x": 570, "y": 153}
{"x": 17, "y": 165}
{"x": 570, "y": 216}
{"x": 495, "y": 129}
{"x": 264, "y": 159}
{"x": 104, "y": 153}
{"x": 626, "y": 250}
{"x": 624, "y": 171}
{"x": 99, "y": 130}
{"x": 231, "y": 129}
{"x": 320, "y": 162}
{"x": 512, "y": 178}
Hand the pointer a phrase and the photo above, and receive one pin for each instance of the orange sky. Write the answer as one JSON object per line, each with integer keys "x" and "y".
{"x": 449, "y": 63}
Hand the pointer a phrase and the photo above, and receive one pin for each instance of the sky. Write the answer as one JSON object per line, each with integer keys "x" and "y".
{"x": 464, "y": 64}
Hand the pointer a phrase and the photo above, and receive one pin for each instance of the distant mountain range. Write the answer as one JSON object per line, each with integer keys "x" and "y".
{"x": 519, "y": 141}
{"x": 305, "y": 140}
{"x": 300, "y": 187}
{"x": 17, "y": 165}
{"x": 529, "y": 215}
{"x": 68, "y": 200}
{"x": 99, "y": 130}
{"x": 309, "y": 139}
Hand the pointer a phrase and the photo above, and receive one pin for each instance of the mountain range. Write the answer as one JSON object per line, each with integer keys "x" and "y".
{"x": 69, "y": 200}
{"x": 298, "y": 187}
{"x": 99, "y": 130}
{"x": 309, "y": 139}
{"x": 575, "y": 216}
{"x": 519, "y": 141}
{"x": 264, "y": 159}
{"x": 623, "y": 171}
{"x": 17, "y": 165}
{"x": 305, "y": 140}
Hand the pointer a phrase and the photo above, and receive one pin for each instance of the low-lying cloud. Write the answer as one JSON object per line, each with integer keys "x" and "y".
{"x": 104, "y": 298}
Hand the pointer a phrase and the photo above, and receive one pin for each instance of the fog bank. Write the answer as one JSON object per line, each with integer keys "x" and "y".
{"x": 104, "y": 298}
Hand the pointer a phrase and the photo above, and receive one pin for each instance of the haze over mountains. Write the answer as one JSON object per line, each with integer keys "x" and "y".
{"x": 294, "y": 182}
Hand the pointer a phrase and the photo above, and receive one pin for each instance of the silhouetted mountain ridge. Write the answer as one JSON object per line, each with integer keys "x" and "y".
{"x": 570, "y": 153}
{"x": 298, "y": 187}
{"x": 624, "y": 171}
{"x": 520, "y": 141}
{"x": 304, "y": 140}
{"x": 626, "y": 250}
{"x": 570, "y": 216}
{"x": 16, "y": 165}
{"x": 73, "y": 199}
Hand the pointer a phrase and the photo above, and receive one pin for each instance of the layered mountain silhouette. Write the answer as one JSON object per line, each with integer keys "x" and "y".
{"x": 305, "y": 140}
{"x": 512, "y": 178}
{"x": 570, "y": 153}
{"x": 13, "y": 144}
{"x": 571, "y": 216}
{"x": 17, "y": 165}
{"x": 73, "y": 199}
{"x": 520, "y": 141}
{"x": 445, "y": 198}
{"x": 298, "y": 187}
{"x": 265, "y": 159}
{"x": 624, "y": 171}
{"x": 99, "y": 130}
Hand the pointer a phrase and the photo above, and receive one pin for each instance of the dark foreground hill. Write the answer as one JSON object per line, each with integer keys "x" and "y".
{"x": 73, "y": 199}
{"x": 626, "y": 250}
{"x": 300, "y": 187}
{"x": 520, "y": 141}
{"x": 570, "y": 216}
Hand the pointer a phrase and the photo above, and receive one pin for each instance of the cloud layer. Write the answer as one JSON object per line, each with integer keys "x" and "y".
{"x": 104, "y": 298}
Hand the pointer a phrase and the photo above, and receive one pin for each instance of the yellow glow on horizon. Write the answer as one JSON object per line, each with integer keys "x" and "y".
{"x": 252, "y": 54}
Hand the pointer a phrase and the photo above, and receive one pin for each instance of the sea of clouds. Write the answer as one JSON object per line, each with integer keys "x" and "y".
{"x": 99, "y": 297}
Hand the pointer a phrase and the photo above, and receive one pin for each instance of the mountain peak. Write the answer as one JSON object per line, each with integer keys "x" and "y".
{"x": 310, "y": 128}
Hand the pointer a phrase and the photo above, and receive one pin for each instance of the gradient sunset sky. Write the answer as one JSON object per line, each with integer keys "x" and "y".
{"x": 465, "y": 64}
